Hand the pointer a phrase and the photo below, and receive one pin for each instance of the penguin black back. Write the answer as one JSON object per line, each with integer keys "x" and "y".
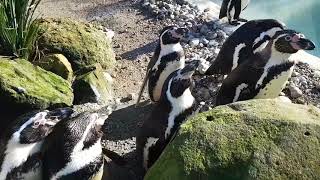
{"x": 242, "y": 43}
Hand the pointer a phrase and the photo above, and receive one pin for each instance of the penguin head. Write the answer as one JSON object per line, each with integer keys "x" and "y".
{"x": 182, "y": 79}
{"x": 86, "y": 127}
{"x": 172, "y": 35}
{"x": 290, "y": 42}
{"x": 35, "y": 126}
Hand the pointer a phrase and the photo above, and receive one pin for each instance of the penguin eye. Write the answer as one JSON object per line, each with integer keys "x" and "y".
{"x": 288, "y": 38}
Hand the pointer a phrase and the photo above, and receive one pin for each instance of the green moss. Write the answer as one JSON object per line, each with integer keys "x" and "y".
{"x": 92, "y": 87}
{"x": 38, "y": 88}
{"x": 81, "y": 43}
{"x": 259, "y": 139}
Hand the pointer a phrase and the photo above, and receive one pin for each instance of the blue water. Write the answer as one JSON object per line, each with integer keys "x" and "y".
{"x": 300, "y": 15}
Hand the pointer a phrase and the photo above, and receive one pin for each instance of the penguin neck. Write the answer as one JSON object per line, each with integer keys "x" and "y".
{"x": 169, "y": 48}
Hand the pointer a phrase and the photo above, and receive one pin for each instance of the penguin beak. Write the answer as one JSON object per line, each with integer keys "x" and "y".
{"x": 190, "y": 68}
{"x": 304, "y": 44}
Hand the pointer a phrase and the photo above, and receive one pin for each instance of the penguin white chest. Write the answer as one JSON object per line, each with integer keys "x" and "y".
{"x": 171, "y": 67}
{"x": 275, "y": 86}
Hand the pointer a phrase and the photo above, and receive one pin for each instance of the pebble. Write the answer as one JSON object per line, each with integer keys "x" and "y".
{"x": 131, "y": 96}
{"x": 295, "y": 92}
{"x": 194, "y": 42}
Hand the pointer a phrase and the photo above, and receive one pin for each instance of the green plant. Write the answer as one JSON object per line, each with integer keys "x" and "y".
{"x": 18, "y": 30}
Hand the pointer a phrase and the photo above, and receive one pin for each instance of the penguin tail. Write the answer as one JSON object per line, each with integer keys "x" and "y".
{"x": 115, "y": 157}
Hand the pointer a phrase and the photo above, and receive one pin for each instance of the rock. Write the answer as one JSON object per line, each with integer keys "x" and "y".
{"x": 92, "y": 87}
{"x": 194, "y": 42}
{"x": 203, "y": 66}
{"x": 25, "y": 87}
{"x": 58, "y": 64}
{"x": 81, "y": 43}
{"x": 295, "y": 92}
{"x": 245, "y": 140}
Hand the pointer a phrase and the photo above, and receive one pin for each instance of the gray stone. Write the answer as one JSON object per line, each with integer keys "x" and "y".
{"x": 295, "y": 92}
{"x": 194, "y": 42}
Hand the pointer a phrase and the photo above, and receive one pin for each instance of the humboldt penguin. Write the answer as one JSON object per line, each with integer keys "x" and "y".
{"x": 232, "y": 10}
{"x": 175, "y": 106}
{"x": 242, "y": 43}
{"x": 168, "y": 57}
{"x": 265, "y": 73}
{"x": 73, "y": 150}
{"x": 20, "y": 144}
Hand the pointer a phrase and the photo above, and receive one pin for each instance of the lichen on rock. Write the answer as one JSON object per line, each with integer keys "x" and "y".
{"x": 24, "y": 86}
{"x": 58, "y": 64}
{"x": 81, "y": 43}
{"x": 92, "y": 86}
{"x": 258, "y": 139}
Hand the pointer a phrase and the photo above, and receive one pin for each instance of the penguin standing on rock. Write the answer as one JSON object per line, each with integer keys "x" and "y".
{"x": 232, "y": 10}
{"x": 168, "y": 57}
{"x": 20, "y": 144}
{"x": 175, "y": 106}
{"x": 249, "y": 38}
{"x": 73, "y": 150}
{"x": 265, "y": 73}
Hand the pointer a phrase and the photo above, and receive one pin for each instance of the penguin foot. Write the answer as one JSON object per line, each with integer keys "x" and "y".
{"x": 242, "y": 20}
{"x": 234, "y": 23}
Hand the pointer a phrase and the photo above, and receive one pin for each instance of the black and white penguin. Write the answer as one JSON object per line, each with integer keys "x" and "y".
{"x": 20, "y": 144}
{"x": 168, "y": 57}
{"x": 175, "y": 106}
{"x": 232, "y": 10}
{"x": 249, "y": 38}
{"x": 265, "y": 73}
{"x": 73, "y": 150}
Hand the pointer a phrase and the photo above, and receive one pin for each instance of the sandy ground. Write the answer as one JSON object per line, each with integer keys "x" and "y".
{"x": 134, "y": 42}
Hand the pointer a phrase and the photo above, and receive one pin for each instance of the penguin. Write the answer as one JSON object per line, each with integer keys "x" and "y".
{"x": 174, "y": 107}
{"x": 232, "y": 10}
{"x": 264, "y": 74}
{"x": 73, "y": 150}
{"x": 168, "y": 57}
{"x": 20, "y": 144}
{"x": 249, "y": 38}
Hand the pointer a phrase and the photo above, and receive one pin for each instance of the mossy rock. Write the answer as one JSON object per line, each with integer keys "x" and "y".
{"x": 81, "y": 43}
{"x": 92, "y": 86}
{"x": 24, "y": 87}
{"x": 258, "y": 139}
{"x": 58, "y": 64}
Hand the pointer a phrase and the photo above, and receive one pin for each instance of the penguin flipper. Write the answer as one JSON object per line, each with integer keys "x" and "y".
{"x": 142, "y": 88}
{"x": 224, "y": 9}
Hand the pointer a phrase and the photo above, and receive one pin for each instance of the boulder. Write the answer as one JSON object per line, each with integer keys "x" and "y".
{"x": 258, "y": 139}
{"x": 92, "y": 86}
{"x": 58, "y": 64}
{"x": 24, "y": 87}
{"x": 81, "y": 43}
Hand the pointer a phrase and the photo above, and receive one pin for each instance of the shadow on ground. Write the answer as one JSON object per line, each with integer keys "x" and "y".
{"x": 122, "y": 125}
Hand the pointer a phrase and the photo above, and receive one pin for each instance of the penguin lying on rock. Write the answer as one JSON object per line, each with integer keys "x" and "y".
{"x": 175, "y": 106}
{"x": 232, "y": 10}
{"x": 249, "y": 38}
{"x": 73, "y": 150}
{"x": 168, "y": 57}
{"x": 265, "y": 73}
{"x": 20, "y": 144}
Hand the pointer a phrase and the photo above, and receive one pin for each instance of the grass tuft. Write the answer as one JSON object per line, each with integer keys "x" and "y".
{"x": 18, "y": 30}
